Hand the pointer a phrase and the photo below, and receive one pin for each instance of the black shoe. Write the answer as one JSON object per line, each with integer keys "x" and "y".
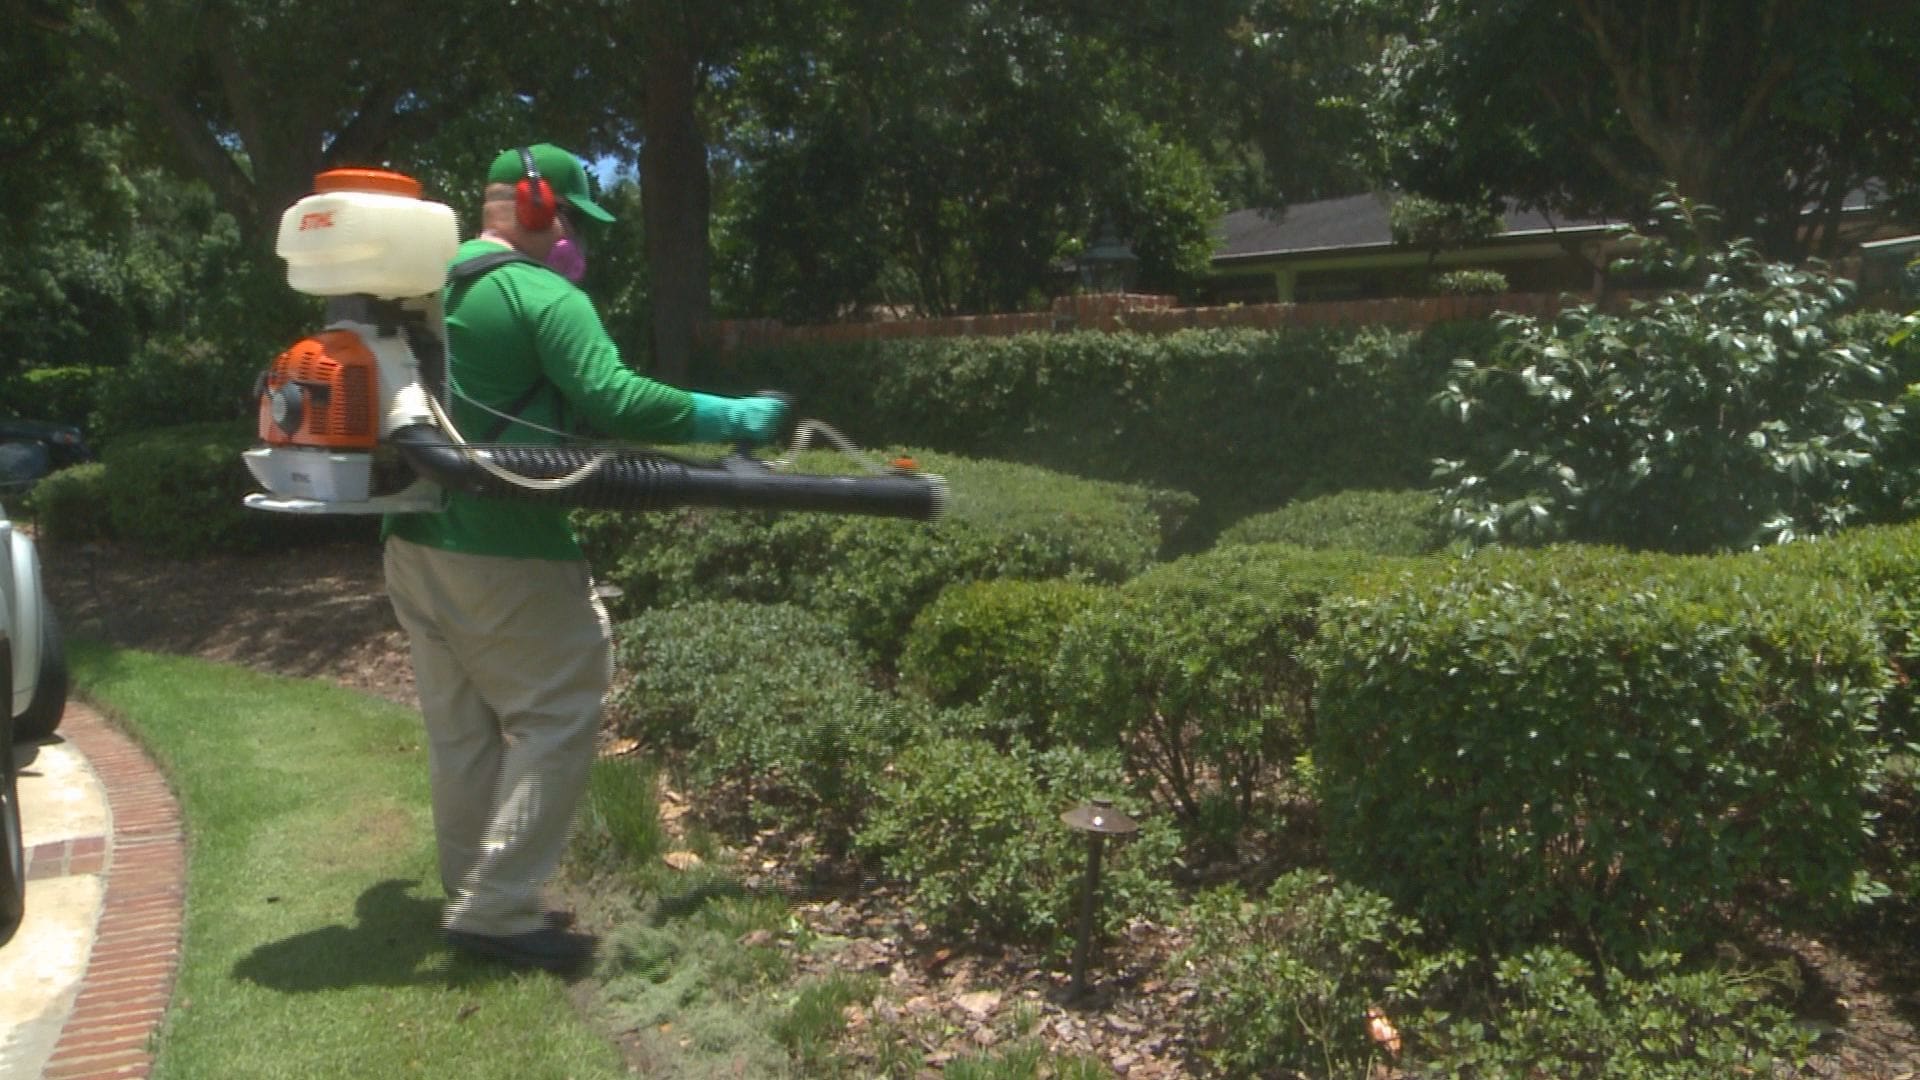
{"x": 558, "y": 951}
{"x": 557, "y": 918}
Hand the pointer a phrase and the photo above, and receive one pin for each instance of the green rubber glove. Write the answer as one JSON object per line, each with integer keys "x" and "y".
{"x": 753, "y": 420}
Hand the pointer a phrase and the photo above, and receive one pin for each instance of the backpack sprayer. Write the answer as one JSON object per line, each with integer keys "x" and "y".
{"x": 353, "y": 420}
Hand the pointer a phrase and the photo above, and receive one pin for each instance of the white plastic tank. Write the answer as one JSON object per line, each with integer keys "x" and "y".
{"x": 367, "y": 231}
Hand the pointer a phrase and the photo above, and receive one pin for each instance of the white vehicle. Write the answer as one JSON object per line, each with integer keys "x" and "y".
{"x": 33, "y": 680}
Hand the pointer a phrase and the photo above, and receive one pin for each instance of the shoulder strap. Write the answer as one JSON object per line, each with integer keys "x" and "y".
{"x": 470, "y": 270}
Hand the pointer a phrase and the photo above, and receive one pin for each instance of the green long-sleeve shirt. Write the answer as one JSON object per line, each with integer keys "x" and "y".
{"x": 506, "y": 330}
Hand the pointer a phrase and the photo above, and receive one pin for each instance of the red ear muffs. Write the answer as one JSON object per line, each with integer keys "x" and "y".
{"x": 533, "y": 201}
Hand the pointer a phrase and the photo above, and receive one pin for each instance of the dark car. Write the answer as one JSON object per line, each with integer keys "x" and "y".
{"x": 30, "y": 449}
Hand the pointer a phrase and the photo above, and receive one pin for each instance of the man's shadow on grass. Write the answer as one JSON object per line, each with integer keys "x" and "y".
{"x": 393, "y": 936}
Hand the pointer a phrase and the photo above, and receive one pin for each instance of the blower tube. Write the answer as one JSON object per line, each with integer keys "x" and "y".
{"x": 649, "y": 480}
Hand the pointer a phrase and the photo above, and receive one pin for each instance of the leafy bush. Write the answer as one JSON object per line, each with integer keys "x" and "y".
{"x": 1191, "y": 669}
{"x": 1605, "y": 749}
{"x": 72, "y": 505}
{"x": 768, "y": 706}
{"x": 991, "y": 643}
{"x": 1287, "y": 981}
{"x": 1292, "y": 980}
{"x": 874, "y": 575}
{"x": 1548, "y": 1020}
{"x": 1742, "y": 411}
{"x": 1377, "y": 522}
{"x": 975, "y": 833}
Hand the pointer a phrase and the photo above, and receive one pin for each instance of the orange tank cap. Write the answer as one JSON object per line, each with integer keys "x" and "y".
{"x": 379, "y": 180}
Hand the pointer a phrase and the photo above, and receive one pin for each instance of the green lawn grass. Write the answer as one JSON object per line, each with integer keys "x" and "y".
{"x": 312, "y": 942}
{"x": 312, "y": 920}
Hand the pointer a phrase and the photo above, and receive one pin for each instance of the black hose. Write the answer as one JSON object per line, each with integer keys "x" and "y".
{"x": 649, "y": 480}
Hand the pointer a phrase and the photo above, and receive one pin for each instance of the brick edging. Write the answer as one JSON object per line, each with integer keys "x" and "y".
{"x": 136, "y": 949}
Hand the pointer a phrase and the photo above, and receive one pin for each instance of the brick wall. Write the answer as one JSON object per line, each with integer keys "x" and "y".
{"x": 1131, "y": 311}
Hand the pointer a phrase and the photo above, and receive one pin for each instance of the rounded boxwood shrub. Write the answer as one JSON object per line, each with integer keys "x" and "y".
{"x": 178, "y": 490}
{"x": 990, "y": 643}
{"x": 975, "y": 834}
{"x": 1376, "y": 522}
{"x": 673, "y": 656}
{"x": 1881, "y": 562}
{"x": 72, "y": 505}
{"x": 766, "y": 707}
{"x": 1580, "y": 745}
{"x": 1192, "y": 669}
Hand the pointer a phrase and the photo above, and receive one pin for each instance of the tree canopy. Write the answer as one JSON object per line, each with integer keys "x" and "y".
{"x": 1764, "y": 109}
{"x": 957, "y": 165}
{"x": 814, "y": 159}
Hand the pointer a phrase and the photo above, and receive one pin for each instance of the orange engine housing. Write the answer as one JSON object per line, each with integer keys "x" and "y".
{"x": 324, "y": 391}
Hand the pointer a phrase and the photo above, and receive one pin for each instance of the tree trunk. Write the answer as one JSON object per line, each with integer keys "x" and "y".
{"x": 674, "y": 198}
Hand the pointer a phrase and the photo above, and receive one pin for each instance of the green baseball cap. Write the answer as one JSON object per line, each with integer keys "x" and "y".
{"x": 561, "y": 170}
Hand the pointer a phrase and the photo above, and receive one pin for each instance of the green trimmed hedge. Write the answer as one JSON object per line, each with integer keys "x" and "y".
{"x": 873, "y": 575}
{"x": 1243, "y": 419}
{"x": 767, "y": 706}
{"x": 61, "y": 395}
{"x": 1605, "y": 749}
{"x": 1191, "y": 668}
{"x": 72, "y": 505}
{"x": 1882, "y": 562}
{"x": 1407, "y": 522}
{"x": 991, "y": 643}
{"x": 178, "y": 491}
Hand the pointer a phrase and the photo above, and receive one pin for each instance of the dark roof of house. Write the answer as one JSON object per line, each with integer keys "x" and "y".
{"x": 1356, "y": 221}
{"x": 1360, "y": 221}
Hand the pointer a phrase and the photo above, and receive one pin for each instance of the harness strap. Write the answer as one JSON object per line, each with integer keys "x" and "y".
{"x": 473, "y": 269}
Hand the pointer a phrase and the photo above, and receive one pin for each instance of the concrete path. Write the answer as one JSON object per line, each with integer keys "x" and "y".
{"x": 85, "y": 980}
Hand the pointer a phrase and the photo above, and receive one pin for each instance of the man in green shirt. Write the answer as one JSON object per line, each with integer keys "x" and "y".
{"x": 512, "y": 652}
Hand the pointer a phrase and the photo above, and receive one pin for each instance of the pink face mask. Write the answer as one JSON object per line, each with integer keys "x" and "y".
{"x": 568, "y": 259}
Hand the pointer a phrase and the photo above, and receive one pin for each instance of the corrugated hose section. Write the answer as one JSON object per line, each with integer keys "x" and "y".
{"x": 621, "y": 479}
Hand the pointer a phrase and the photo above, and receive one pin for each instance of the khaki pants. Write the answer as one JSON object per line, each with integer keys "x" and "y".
{"x": 511, "y": 658}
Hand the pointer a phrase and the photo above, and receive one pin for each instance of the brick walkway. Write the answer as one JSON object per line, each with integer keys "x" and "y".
{"x": 136, "y": 950}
